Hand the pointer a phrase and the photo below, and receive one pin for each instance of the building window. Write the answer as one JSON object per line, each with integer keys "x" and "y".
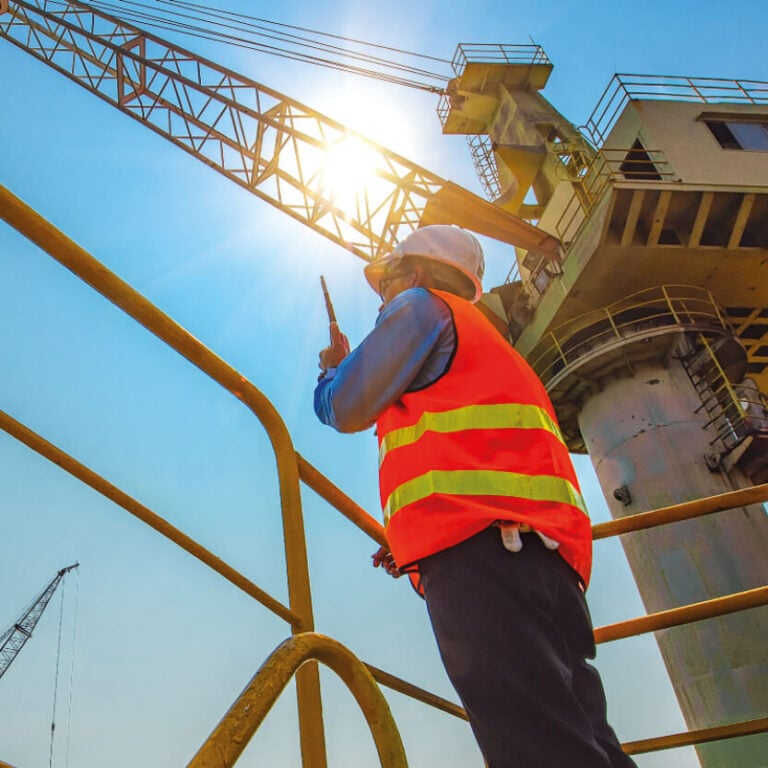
{"x": 736, "y": 134}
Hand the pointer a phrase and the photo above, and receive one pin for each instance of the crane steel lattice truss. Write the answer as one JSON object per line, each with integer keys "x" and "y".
{"x": 264, "y": 141}
{"x": 14, "y": 638}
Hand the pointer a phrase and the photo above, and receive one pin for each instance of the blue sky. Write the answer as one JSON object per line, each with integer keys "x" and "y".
{"x": 162, "y": 645}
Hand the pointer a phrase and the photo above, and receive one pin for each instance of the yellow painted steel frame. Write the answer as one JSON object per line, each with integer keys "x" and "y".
{"x": 264, "y": 141}
{"x": 68, "y": 253}
{"x": 299, "y": 654}
{"x": 232, "y": 734}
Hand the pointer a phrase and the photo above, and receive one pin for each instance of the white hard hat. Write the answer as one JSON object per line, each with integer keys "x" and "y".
{"x": 443, "y": 243}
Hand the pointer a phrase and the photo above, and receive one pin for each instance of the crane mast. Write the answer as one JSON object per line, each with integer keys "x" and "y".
{"x": 266, "y": 142}
{"x": 15, "y": 637}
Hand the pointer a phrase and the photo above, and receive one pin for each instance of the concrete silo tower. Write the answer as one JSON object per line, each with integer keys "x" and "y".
{"x": 650, "y": 332}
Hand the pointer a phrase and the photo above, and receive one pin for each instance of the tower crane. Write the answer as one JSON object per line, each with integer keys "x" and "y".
{"x": 268, "y": 143}
{"x": 16, "y": 636}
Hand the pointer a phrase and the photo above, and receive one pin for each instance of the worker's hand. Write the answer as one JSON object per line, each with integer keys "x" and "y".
{"x": 331, "y": 356}
{"x": 383, "y": 557}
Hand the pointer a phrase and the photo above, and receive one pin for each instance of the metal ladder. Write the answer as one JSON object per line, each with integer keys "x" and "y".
{"x": 718, "y": 396}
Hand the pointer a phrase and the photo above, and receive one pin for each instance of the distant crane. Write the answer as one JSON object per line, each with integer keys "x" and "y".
{"x": 14, "y": 638}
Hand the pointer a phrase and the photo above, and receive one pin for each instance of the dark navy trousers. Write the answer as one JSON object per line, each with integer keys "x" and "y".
{"x": 514, "y": 634}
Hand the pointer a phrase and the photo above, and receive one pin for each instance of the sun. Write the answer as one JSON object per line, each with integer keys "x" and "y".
{"x": 349, "y": 169}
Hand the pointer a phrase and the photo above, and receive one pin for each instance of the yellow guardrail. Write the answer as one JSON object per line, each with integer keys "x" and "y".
{"x": 700, "y": 736}
{"x": 626, "y": 87}
{"x": 735, "y": 411}
{"x": 656, "y": 309}
{"x": 607, "y": 166}
{"x": 231, "y": 736}
{"x": 298, "y": 656}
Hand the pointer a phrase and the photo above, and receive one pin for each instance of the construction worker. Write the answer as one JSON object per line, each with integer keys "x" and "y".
{"x": 481, "y": 504}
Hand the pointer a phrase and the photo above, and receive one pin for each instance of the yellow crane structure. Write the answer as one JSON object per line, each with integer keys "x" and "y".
{"x": 271, "y": 145}
{"x": 633, "y": 352}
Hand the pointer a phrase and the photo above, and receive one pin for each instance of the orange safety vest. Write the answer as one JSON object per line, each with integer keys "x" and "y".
{"x": 478, "y": 445}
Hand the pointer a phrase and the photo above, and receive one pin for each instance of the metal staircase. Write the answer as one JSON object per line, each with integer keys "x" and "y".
{"x": 738, "y": 412}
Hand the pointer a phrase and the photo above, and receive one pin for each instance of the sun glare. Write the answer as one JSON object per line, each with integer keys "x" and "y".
{"x": 348, "y": 169}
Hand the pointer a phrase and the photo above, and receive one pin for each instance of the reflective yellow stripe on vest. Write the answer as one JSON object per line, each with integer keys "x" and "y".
{"x": 484, "y": 482}
{"x": 494, "y": 416}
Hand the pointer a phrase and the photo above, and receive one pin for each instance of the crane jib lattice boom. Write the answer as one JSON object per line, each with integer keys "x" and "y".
{"x": 262, "y": 140}
{"x": 14, "y": 638}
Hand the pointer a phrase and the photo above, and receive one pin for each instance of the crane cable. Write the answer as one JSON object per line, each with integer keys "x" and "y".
{"x": 56, "y": 676}
{"x": 71, "y": 672}
{"x": 223, "y": 14}
{"x": 220, "y": 26}
{"x": 72, "y": 667}
{"x": 286, "y": 38}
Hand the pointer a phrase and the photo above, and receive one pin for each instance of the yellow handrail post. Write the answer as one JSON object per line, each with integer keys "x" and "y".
{"x": 231, "y": 736}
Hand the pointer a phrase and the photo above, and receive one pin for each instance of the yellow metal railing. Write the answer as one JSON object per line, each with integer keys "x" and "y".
{"x": 625, "y": 87}
{"x": 231, "y": 736}
{"x": 55, "y": 455}
{"x": 608, "y": 166}
{"x": 699, "y": 736}
{"x": 489, "y": 53}
{"x": 736, "y": 411}
{"x": 653, "y": 310}
{"x": 496, "y": 53}
{"x": 741, "y": 601}
{"x": 298, "y": 655}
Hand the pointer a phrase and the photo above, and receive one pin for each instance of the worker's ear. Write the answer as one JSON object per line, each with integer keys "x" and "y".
{"x": 419, "y": 276}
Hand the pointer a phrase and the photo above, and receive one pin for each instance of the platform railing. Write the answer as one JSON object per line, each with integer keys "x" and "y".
{"x": 661, "y": 309}
{"x": 686, "y": 614}
{"x": 609, "y": 166}
{"x": 625, "y": 87}
{"x": 496, "y": 53}
{"x": 489, "y": 53}
{"x": 297, "y": 656}
{"x": 235, "y": 730}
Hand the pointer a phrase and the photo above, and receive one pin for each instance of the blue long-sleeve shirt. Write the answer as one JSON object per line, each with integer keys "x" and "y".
{"x": 410, "y": 346}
